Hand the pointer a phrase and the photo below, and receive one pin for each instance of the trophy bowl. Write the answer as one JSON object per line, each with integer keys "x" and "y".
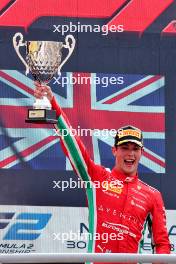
{"x": 43, "y": 59}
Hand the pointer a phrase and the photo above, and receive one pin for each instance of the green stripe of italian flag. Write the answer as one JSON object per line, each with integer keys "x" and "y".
{"x": 80, "y": 166}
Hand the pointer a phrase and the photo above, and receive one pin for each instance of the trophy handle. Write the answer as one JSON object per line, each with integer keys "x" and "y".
{"x": 70, "y": 48}
{"x": 17, "y": 45}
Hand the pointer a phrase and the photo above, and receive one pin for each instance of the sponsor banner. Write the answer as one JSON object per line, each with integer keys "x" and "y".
{"x": 117, "y": 12}
{"x": 34, "y": 229}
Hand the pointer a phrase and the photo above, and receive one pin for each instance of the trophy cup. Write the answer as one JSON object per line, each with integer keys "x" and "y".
{"x": 43, "y": 60}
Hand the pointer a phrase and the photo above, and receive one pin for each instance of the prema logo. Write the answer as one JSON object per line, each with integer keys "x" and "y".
{"x": 23, "y": 226}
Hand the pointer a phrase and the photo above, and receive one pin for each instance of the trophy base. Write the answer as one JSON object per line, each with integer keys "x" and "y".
{"x": 42, "y": 116}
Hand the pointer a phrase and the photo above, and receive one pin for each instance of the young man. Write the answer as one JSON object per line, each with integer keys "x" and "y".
{"x": 120, "y": 207}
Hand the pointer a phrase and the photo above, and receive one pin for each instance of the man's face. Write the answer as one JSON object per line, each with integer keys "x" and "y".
{"x": 127, "y": 158}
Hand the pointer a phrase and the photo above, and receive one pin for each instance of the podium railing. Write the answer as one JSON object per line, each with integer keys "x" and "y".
{"x": 86, "y": 257}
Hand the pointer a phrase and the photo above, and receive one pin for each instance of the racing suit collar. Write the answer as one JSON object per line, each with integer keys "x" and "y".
{"x": 121, "y": 176}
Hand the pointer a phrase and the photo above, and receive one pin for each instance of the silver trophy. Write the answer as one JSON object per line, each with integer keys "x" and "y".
{"x": 43, "y": 60}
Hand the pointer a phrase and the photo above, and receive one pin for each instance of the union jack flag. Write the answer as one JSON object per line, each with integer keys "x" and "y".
{"x": 102, "y": 102}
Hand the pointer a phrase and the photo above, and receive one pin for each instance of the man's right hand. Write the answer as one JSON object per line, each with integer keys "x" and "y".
{"x": 42, "y": 90}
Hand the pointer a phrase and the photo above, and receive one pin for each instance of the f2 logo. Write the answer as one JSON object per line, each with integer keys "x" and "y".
{"x": 20, "y": 230}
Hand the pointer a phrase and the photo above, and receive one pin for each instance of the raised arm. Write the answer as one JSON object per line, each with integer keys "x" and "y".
{"x": 71, "y": 144}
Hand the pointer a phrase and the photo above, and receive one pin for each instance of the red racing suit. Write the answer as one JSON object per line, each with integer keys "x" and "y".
{"x": 118, "y": 205}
